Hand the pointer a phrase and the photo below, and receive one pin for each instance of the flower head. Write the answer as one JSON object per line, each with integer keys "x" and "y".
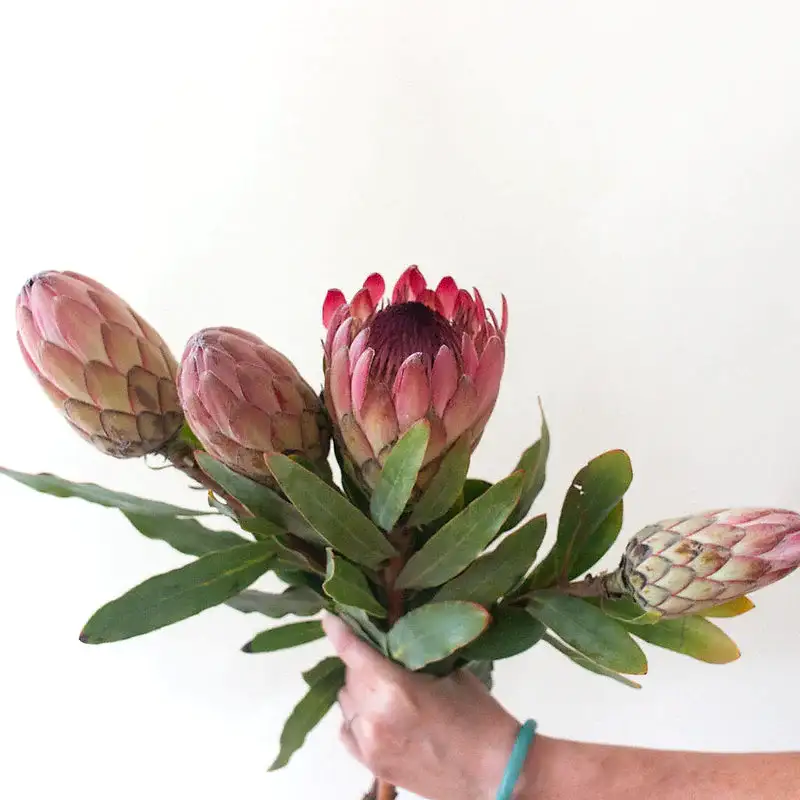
{"x": 102, "y": 365}
{"x": 422, "y": 354}
{"x": 244, "y": 400}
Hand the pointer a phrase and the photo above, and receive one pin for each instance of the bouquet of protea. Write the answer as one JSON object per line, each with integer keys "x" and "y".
{"x": 435, "y": 569}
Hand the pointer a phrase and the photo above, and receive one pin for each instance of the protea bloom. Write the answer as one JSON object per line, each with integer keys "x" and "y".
{"x": 243, "y": 400}
{"x": 432, "y": 354}
{"x": 108, "y": 371}
{"x": 682, "y": 566}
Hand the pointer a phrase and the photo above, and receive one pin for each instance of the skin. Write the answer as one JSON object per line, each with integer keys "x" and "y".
{"x": 418, "y": 732}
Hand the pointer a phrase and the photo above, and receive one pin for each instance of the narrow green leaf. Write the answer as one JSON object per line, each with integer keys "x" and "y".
{"x": 456, "y": 545}
{"x": 599, "y": 543}
{"x": 290, "y": 552}
{"x": 692, "y": 636}
{"x": 587, "y": 629}
{"x": 583, "y": 661}
{"x": 323, "y": 669}
{"x": 346, "y": 584}
{"x": 297, "y": 600}
{"x": 474, "y": 488}
{"x": 398, "y": 476}
{"x": 185, "y": 534}
{"x": 307, "y": 714}
{"x": 46, "y": 483}
{"x": 435, "y": 631}
{"x": 364, "y": 627}
{"x": 284, "y": 637}
{"x": 513, "y": 631}
{"x": 336, "y": 520}
{"x": 595, "y": 491}
{"x": 262, "y": 529}
{"x": 494, "y": 574}
{"x": 445, "y": 486}
{"x": 625, "y": 610}
{"x": 179, "y": 594}
{"x": 731, "y": 608}
{"x": 261, "y": 501}
{"x": 534, "y": 463}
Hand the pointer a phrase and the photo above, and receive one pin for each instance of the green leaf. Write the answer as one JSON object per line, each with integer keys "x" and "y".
{"x": 494, "y": 574}
{"x": 731, "y": 608}
{"x": 587, "y": 629}
{"x": 347, "y": 585}
{"x": 594, "y": 493}
{"x": 584, "y": 661}
{"x": 435, "y": 631}
{"x": 284, "y": 637}
{"x": 60, "y": 487}
{"x": 456, "y": 545}
{"x": 364, "y": 627}
{"x": 625, "y": 610}
{"x": 262, "y": 529}
{"x": 513, "y": 631}
{"x": 290, "y": 552}
{"x": 307, "y": 714}
{"x": 398, "y": 476}
{"x": 336, "y": 520}
{"x": 534, "y": 463}
{"x": 474, "y": 488}
{"x": 692, "y": 636}
{"x": 186, "y": 535}
{"x": 297, "y": 600}
{"x": 600, "y": 542}
{"x": 261, "y": 501}
{"x": 181, "y": 593}
{"x": 323, "y": 669}
{"x": 445, "y": 487}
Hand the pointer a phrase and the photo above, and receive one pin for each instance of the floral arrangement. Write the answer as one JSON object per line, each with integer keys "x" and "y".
{"x": 437, "y": 570}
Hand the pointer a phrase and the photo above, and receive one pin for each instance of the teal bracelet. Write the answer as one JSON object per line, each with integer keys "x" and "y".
{"x": 517, "y": 760}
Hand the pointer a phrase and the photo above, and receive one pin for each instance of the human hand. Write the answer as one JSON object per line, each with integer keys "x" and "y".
{"x": 440, "y": 738}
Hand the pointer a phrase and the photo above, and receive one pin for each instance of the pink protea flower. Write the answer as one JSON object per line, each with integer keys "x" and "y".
{"x": 423, "y": 354}
{"x": 243, "y": 400}
{"x": 684, "y": 565}
{"x": 100, "y": 363}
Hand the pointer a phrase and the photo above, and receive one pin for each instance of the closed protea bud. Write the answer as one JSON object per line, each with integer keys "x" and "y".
{"x": 243, "y": 400}
{"x": 424, "y": 354}
{"x": 685, "y": 565}
{"x": 108, "y": 371}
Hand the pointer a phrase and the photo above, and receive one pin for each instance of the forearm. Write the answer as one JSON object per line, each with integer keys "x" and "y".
{"x": 563, "y": 770}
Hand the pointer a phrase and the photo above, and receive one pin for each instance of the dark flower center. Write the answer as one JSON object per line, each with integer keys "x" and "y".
{"x": 401, "y": 330}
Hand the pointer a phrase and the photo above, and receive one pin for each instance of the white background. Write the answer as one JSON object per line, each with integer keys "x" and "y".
{"x": 627, "y": 173}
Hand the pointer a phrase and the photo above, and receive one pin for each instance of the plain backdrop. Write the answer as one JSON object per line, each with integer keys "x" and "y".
{"x": 627, "y": 173}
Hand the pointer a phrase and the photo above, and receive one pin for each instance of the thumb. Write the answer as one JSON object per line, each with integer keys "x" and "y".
{"x": 355, "y": 653}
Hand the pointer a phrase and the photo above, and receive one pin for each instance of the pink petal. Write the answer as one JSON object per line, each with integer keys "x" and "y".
{"x": 360, "y": 378}
{"x": 376, "y": 286}
{"x": 251, "y": 428}
{"x": 411, "y": 391}
{"x": 223, "y": 367}
{"x": 447, "y": 292}
{"x": 361, "y": 306}
{"x": 334, "y": 300}
{"x": 218, "y": 400}
{"x": 28, "y": 333}
{"x": 121, "y": 345}
{"x": 504, "y": 324}
{"x": 288, "y": 394}
{"x": 489, "y": 373}
{"x": 428, "y": 297}
{"x": 465, "y": 306}
{"x": 444, "y": 379}
{"x": 61, "y": 368}
{"x": 461, "y": 411}
{"x": 469, "y": 355}
{"x": 356, "y": 443}
{"x": 80, "y": 327}
{"x": 409, "y": 285}
{"x": 339, "y": 377}
{"x": 377, "y": 418}
{"x": 339, "y": 316}
{"x": 256, "y": 387}
{"x": 480, "y": 307}
{"x": 342, "y": 337}
{"x": 357, "y": 347}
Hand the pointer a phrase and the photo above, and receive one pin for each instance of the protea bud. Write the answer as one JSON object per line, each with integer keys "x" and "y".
{"x": 685, "y": 565}
{"x": 243, "y": 400}
{"x": 436, "y": 355}
{"x": 108, "y": 371}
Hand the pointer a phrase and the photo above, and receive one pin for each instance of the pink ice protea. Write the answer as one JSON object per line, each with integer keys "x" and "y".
{"x": 243, "y": 400}
{"x": 424, "y": 354}
{"x": 685, "y": 565}
{"x": 101, "y": 364}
